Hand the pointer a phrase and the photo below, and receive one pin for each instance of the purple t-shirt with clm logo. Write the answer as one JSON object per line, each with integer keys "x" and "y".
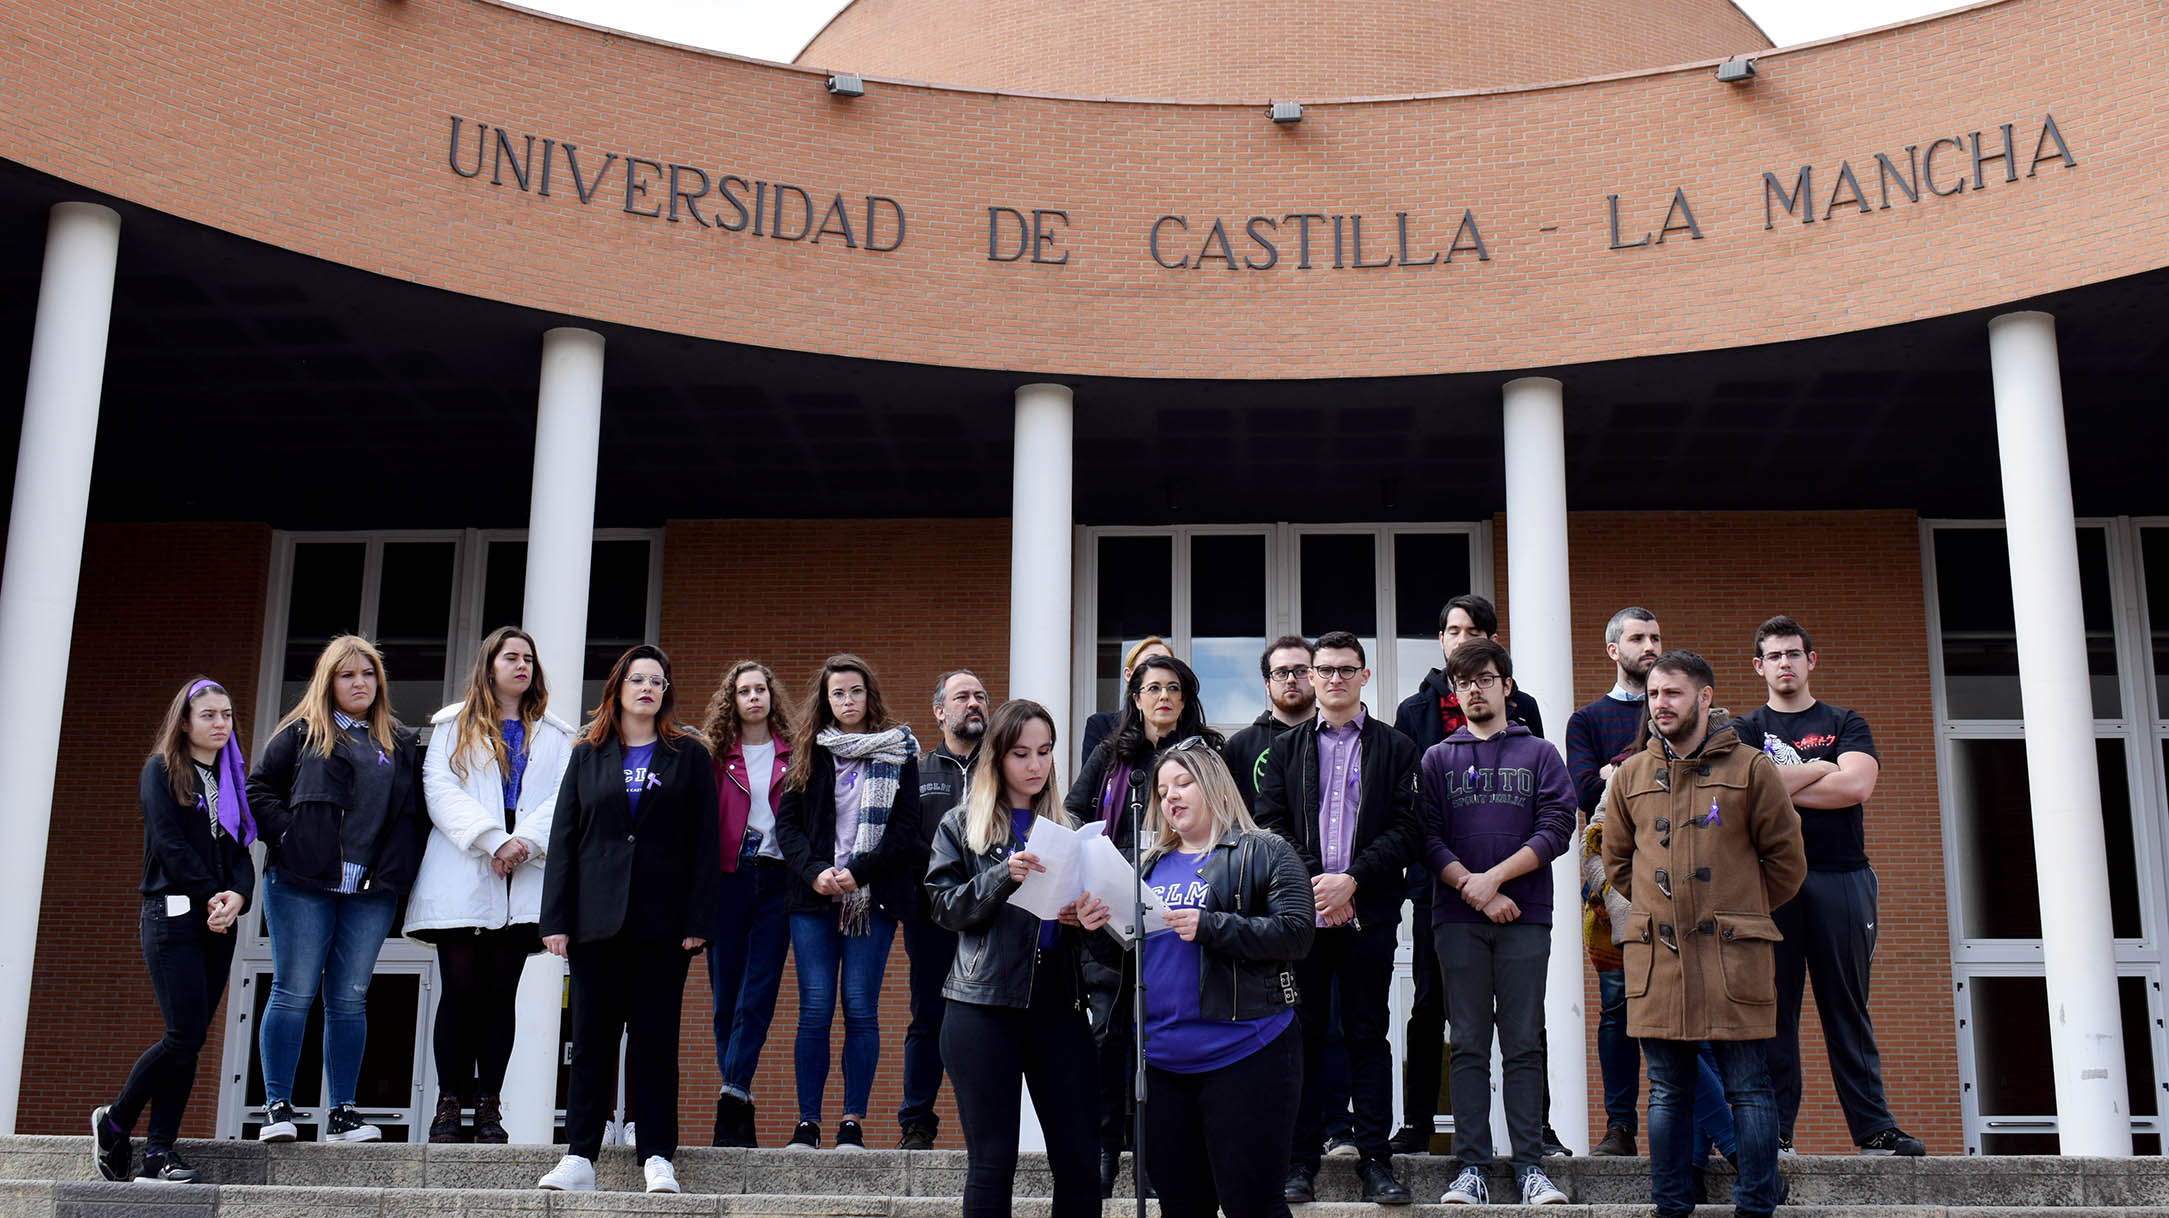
{"x": 1020, "y": 828}
{"x": 636, "y": 774}
{"x": 1177, "y": 1037}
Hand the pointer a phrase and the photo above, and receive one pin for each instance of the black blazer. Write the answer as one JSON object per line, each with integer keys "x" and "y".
{"x": 806, "y": 833}
{"x": 1389, "y": 828}
{"x": 652, "y": 878}
{"x": 179, "y": 854}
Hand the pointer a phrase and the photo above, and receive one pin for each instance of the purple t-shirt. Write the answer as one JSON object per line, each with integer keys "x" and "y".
{"x": 1020, "y": 827}
{"x": 1177, "y": 1037}
{"x": 636, "y": 774}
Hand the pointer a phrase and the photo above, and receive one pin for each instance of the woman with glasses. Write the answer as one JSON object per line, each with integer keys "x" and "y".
{"x": 490, "y": 774}
{"x": 1222, "y": 1051}
{"x": 197, "y": 879}
{"x": 849, "y": 828}
{"x": 628, "y": 895}
{"x": 1162, "y": 703}
{"x": 1101, "y": 724}
{"x": 334, "y": 793}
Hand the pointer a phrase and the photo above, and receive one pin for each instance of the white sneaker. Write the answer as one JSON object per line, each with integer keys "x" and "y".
{"x": 1469, "y": 1188}
{"x": 1537, "y": 1189}
{"x": 572, "y": 1174}
{"x": 662, "y": 1177}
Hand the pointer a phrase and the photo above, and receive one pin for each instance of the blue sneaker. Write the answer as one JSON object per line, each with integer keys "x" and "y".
{"x": 1469, "y": 1188}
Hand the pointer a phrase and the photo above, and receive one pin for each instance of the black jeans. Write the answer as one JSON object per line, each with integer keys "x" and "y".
{"x": 1829, "y": 929}
{"x": 1049, "y": 1046}
{"x": 473, "y": 1035}
{"x": 1426, "y": 1034}
{"x": 1494, "y": 978}
{"x": 931, "y": 949}
{"x": 625, "y": 985}
{"x": 1220, "y": 1139}
{"x": 188, "y": 965}
{"x": 1360, "y": 961}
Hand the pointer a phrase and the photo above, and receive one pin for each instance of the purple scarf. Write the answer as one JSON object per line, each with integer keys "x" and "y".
{"x": 233, "y": 800}
{"x": 1115, "y": 795}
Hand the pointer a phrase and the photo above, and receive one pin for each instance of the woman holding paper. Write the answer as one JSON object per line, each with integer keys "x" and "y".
{"x": 1222, "y": 1051}
{"x": 1016, "y": 989}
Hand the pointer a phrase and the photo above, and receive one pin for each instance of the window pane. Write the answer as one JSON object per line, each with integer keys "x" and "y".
{"x": 617, "y": 612}
{"x": 1340, "y": 592}
{"x": 414, "y": 619}
{"x": 323, "y": 600}
{"x": 2154, "y": 551}
{"x": 388, "y": 1058}
{"x": 1997, "y": 877}
{"x": 1429, "y": 569}
{"x": 2012, "y": 1061}
{"x": 1136, "y": 599}
{"x": 1227, "y": 625}
{"x": 1980, "y": 639}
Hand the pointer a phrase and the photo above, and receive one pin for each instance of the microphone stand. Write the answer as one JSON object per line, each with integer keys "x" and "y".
{"x": 1137, "y": 1015}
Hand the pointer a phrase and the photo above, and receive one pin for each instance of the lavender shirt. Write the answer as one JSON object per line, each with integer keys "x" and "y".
{"x": 850, "y": 789}
{"x": 1340, "y": 791}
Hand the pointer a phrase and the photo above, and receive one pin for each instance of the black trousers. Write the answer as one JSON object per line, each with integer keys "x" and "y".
{"x": 473, "y": 1034}
{"x": 1220, "y": 1139}
{"x": 1829, "y": 929}
{"x": 188, "y": 964}
{"x": 1049, "y": 1046}
{"x": 634, "y": 987}
{"x": 932, "y": 949}
{"x": 1360, "y": 961}
{"x": 1426, "y": 1035}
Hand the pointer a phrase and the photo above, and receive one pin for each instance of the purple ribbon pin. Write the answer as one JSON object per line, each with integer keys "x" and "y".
{"x": 1713, "y": 820}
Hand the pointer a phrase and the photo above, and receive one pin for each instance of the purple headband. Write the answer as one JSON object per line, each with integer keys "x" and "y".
{"x": 233, "y": 802}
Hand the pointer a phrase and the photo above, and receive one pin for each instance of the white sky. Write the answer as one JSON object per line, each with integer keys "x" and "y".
{"x": 769, "y": 29}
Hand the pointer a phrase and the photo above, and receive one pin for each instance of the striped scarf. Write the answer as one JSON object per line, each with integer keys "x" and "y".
{"x": 884, "y": 754}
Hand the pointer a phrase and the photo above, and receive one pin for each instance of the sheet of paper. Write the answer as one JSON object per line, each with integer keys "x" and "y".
{"x": 176, "y": 904}
{"x": 1044, "y": 893}
{"x": 1110, "y": 878}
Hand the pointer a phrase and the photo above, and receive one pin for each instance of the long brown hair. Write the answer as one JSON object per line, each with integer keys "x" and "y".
{"x": 476, "y": 730}
{"x": 986, "y": 804}
{"x": 817, "y": 716}
{"x": 171, "y": 746}
{"x": 719, "y": 723}
{"x": 315, "y": 708}
{"x": 604, "y": 725}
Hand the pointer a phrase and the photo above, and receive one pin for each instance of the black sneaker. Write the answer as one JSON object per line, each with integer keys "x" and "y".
{"x": 849, "y": 1136}
{"x": 1298, "y": 1187}
{"x": 445, "y": 1126}
{"x": 110, "y": 1150}
{"x": 1894, "y": 1141}
{"x": 1410, "y": 1141}
{"x": 1784, "y": 1147}
{"x": 918, "y": 1135}
{"x": 806, "y": 1137}
{"x": 1379, "y": 1186}
{"x": 1553, "y": 1147}
{"x": 733, "y": 1121}
{"x": 489, "y": 1121}
{"x": 167, "y": 1167}
{"x": 345, "y": 1124}
{"x": 278, "y": 1123}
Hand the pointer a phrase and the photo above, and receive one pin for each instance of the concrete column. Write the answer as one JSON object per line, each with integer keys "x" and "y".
{"x": 560, "y": 542}
{"x": 1039, "y": 548}
{"x": 2086, "y": 1033}
{"x": 1543, "y": 649}
{"x": 37, "y": 598}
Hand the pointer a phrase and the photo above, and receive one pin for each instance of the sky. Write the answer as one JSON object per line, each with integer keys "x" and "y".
{"x": 769, "y": 29}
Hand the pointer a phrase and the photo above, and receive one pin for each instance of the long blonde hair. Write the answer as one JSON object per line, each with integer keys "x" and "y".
{"x": 1222, "y": 800}
{"x": 315, "y": 708}
{"x": 475, "y": 731}
{"x": 986, "y": 805}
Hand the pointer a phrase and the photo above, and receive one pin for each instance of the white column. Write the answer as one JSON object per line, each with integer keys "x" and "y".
{"x": 37, "y": 598}
{"x": 2086, "y": 1033}
{"x": 560, "y": 540}
{"x": 1543, "y": 649}
{"x": 1039, "y": 548}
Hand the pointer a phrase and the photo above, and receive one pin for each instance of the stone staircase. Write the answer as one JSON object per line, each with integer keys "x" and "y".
{"x": 51, "y": 1177}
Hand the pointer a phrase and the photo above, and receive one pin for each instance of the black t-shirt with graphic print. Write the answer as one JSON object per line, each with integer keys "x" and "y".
{"x": 1835, "y": 838}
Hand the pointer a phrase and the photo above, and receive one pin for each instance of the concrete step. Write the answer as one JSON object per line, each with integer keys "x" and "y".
{"x": 880, "y": 1177}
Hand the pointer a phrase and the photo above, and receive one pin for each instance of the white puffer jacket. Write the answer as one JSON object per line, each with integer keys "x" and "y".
{"x": 455, "y": 887}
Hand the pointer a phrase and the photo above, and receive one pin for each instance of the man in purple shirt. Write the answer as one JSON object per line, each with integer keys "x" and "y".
{"x": 1342, "y": 789}
{"x": 1497, "y": 809}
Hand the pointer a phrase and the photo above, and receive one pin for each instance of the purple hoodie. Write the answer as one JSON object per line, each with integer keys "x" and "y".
{"x": 1485, "y": 799}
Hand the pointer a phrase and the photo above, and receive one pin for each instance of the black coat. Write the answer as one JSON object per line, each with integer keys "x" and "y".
{"x": 299, "y": 799}
{"x": 180, "y": 854}
{"x": 806, "y": 833}
{"x": 653, "y": 877}
{"x": 997, "y": 956}
{"x": 1245, "y": 754}
{"x": 1258, "y": 921}
{"x": 1083, "y": 800}
{"x": 1389, "y": 826}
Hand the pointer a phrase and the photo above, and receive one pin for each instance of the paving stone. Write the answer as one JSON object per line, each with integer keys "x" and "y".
{"x": 44, "y": 1157}
{"x": 465, "y": 1203}
{"x": 487, "y": 1167}
{"x": 634, "y": 1204}
{"x": 832, "y": 1172}
{"x": 26, "y": 1199}
{"x": 345, "y": 1164}
{"x": 110, "y": 1199}
{"x": 2125, "y": 1182}
{"x": 808, "y": 1205}
{"x": 227, "y": 1160}
{"x": 276, "y": 1201}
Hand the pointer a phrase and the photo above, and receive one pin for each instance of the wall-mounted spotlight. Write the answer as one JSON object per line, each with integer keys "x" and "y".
{"x": 1736, "y": 71}
{"x": 846, "y": 84}
{"x": 1284, "y": 112}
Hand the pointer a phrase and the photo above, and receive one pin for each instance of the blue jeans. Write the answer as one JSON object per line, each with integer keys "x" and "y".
{"x": 825, "y": 954}
{"x": 1713, "y": 1116}
{"x": 1619, "y": 1057}
{"x": 328, "y": 940}
{"x": 745, "y": 968}
{"x": 1672, "y": 1128}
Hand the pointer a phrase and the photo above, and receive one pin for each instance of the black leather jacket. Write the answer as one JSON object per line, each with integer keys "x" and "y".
{"x": 997, "y": 954}
{"x": 300, "y": 798}
{"x": 1259, "y": 921}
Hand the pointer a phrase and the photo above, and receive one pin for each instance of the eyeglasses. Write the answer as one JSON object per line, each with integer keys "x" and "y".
{"x": 1795, "y": 655}
{"x": 657, "y": 682}
{"x": 1285, "y": 675}
{"x": 1326, "y": 672}
{"x": 1156, "y": 689}
{"x": 1485, "y": 682}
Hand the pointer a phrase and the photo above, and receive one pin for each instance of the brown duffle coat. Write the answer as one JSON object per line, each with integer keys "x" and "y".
{"x": 1703, "y": 849}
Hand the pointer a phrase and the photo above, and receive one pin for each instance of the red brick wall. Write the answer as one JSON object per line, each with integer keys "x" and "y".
{"x": 1853, "y": 579}
{"x": 145, "y": 621}
{"x": 914, "y": 598}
